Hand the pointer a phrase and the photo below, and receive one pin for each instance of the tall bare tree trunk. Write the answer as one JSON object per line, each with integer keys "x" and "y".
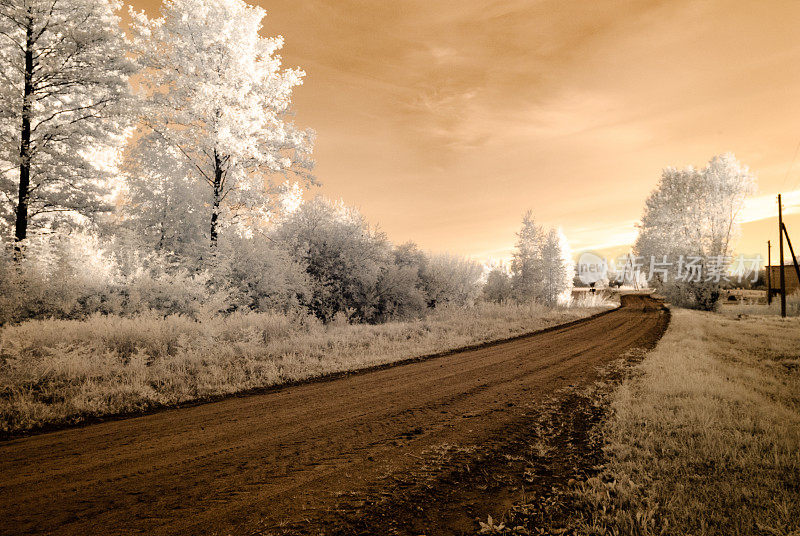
{"x": 217, "y": 198}
{"x": 21, "y": 224}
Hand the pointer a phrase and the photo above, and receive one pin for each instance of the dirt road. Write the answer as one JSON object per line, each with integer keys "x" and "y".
{"x": 291, "y": 457}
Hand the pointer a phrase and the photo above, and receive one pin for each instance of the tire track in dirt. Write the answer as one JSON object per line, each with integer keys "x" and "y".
{"x": 244, "y": 465}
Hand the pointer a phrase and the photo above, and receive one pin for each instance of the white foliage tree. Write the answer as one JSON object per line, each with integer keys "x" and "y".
{"x": 163, "y": 206}
{"x": 63, "y": 96}
{"x": 260, "y": 276}
{"x": 450, "y": 279}
{"x": 498, "y": 286}
{"x": 215, "y": 91}
{"x": 693, "y": 213}
{"x": 526, "y": 265}
{"x": 399, "y": 294}
{"x": 344, "y": 257}
{"x": 356, "y": 273}
{"x": 542, "y": 267}
{"x": 558, "y": 271}
{"x": 442, "y": 279}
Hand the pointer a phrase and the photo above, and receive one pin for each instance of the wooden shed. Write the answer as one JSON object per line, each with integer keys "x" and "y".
{"x": 792, "y": 284}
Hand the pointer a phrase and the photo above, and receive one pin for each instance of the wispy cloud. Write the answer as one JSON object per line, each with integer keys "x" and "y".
{"x": 605, "y": 236}
{"x": 445, "y": 120}
{"x": 766, "y": 206}
{"x": 624, "y": 233}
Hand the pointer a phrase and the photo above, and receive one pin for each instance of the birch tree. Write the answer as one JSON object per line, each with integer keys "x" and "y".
{"x": 216, "y": 92}
{"x": 692, "y": 214}
{"x": 63, "y": 90}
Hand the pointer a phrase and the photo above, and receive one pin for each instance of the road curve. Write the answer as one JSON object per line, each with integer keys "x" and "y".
{"x": 256, "y": 462}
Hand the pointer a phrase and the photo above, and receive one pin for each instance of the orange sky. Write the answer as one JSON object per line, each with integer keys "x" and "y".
{"x": 444, "y": 120}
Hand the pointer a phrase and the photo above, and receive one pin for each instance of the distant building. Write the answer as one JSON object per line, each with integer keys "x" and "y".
{"x": 792, "y": 285}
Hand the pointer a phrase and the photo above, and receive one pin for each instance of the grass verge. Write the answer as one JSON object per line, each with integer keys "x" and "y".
{"x": 705, "y": 439}
{"x": 701, "y": 438}
{"x": 61, "y": 372}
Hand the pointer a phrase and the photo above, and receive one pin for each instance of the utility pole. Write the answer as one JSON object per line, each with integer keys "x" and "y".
{"x": 769, "y": 274}
{"x": 782, "y": 271}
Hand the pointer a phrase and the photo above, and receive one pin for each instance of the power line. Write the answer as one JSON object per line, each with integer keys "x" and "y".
{"x": 788, "y": 171}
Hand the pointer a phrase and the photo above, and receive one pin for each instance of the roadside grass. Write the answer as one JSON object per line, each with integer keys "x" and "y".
{"x": 596, "y": 299}
{"x": 704, "y": 438}
{"x": 755, "y": 303}
{"x": 59, "y": 372}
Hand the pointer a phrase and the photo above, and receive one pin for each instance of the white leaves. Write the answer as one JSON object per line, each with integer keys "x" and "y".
{"x": 214, "y": 88}
{"x": 542, "y": 265}
{"x": 693, "y": 212}
{"x": 79, "y": 98}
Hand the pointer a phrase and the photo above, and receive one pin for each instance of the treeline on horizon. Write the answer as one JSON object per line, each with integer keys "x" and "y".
{"x": 162, "y": 174}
